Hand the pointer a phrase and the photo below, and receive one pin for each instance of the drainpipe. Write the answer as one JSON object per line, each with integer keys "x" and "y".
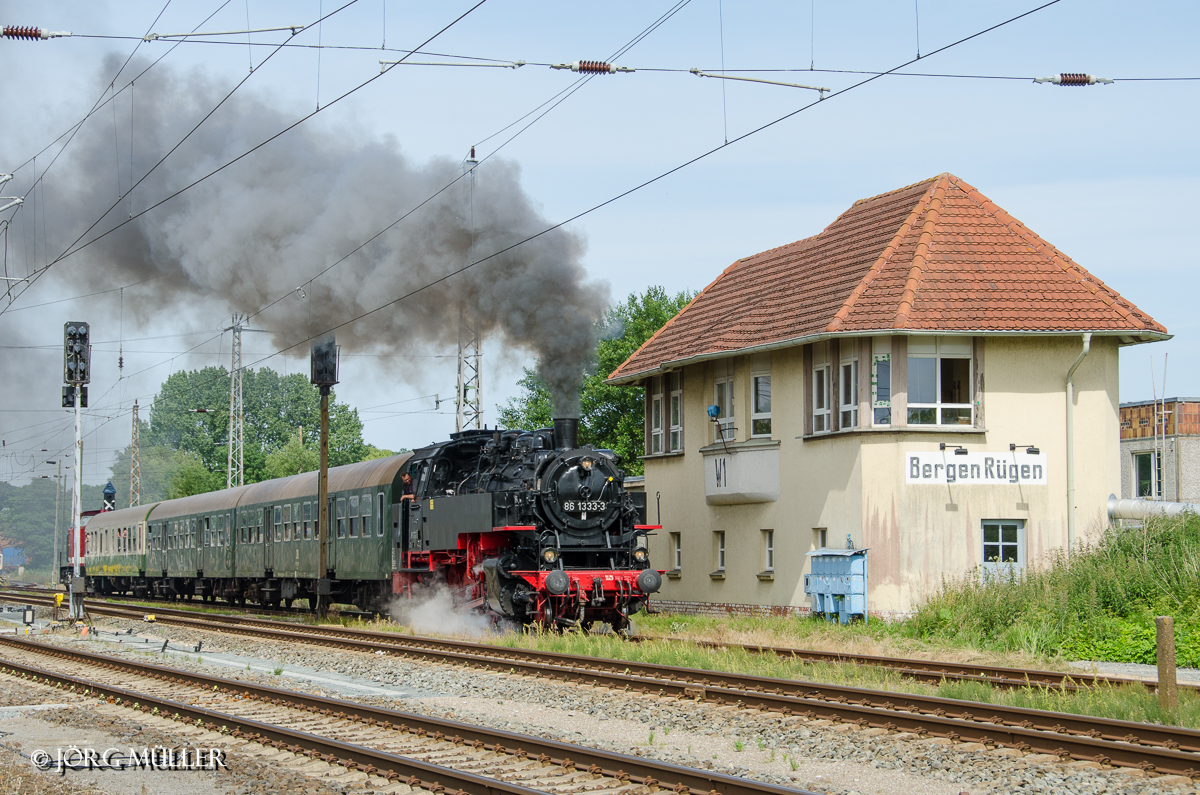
{"x": 1087, "y": 346}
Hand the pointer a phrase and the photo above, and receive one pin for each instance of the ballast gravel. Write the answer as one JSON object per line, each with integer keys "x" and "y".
{"x": 790, "y": 751}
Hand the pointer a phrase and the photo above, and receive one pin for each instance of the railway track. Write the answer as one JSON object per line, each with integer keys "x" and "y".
{"x": 1123, "y": 743}
{"x": 429, "y": 753}
{"x": 930, "y": 671}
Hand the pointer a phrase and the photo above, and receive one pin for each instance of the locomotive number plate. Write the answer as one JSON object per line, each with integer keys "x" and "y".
{"x": 573, "y": 506}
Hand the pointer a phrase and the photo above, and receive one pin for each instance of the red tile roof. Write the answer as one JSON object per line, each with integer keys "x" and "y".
{"x": 934, "y": 256}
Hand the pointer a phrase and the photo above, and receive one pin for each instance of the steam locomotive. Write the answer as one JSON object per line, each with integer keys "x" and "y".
{"x": 524, "y": 524}
{"x": 528, "y": 523}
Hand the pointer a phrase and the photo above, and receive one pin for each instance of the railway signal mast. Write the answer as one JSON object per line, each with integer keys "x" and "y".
{"x": 324, "y": 375}
{"x": 77, "y": 371}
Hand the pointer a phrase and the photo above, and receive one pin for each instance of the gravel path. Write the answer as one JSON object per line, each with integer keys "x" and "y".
{"x": 1149, "y": 673}
{"x": 791, "y": 751}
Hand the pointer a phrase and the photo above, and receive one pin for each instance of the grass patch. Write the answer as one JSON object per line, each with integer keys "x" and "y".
{"x": 1098, "y": 604}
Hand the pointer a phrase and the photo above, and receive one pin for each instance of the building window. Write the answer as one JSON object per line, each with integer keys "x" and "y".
{"x": 1003, "y": 545}
{"x": 723, "y": 398}
{"x": 820, "y": 537}
{"x": 676, "y": 413}
{"x": 849, "y": 394}
{"x": 881, "y": 389}
{"x": 769, "y": 550}
{"x": 939, "y": 381}
{"x": 1149, "y": 476}
{"x": 719, "y": 539}
{"x": 821, "y": 401}
{"x": 760, "y": 416}
{"x": 656, "y": 416}
{"x": 676, "y": 552}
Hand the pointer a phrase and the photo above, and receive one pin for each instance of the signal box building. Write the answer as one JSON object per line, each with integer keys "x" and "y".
{"x": 898, "y": 382}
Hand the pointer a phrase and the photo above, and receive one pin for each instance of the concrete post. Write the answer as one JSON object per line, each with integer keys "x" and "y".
{"x": 1168, "y": 694}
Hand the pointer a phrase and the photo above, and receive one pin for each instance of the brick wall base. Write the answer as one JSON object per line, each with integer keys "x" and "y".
{"x": 734, "y": 610}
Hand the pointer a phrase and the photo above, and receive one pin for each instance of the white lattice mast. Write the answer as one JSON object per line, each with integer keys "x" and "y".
{"x": 237, "y": 437}
{"x": 135, "y": 463}
{"x": 468, "y": 401}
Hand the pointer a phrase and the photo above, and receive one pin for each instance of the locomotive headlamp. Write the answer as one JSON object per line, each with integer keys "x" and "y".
{"x": 549, "y": 555}
{"x": 587, "y": 464}
{"x": 640, "y": 555}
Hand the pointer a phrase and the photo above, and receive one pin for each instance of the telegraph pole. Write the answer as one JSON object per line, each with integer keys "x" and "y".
{"x": 324, "y": 361}
{"x": 77, "y": 371}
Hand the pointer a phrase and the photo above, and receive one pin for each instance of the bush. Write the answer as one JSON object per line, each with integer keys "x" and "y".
{"x": 1099, "y": 603}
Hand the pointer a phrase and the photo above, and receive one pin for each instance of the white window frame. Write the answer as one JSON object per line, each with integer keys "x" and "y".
{"x": 656, "y": 416}
{"x": 723, "y": 428}
{"x": 720, "y": 542}
{"x": 821, "y": 415}
{"x": 848, "y": 417}
{"x": 757, "y": 416}
{"x": 677, "y": 551}
{"x": 938, "y": 406}
{"x": 999, "y": 568}
{"x": 675, "y": 413}
{"x": 881, "y": 399}
{"x": 1155, "y": 474}
{"x": 769, "y": 550}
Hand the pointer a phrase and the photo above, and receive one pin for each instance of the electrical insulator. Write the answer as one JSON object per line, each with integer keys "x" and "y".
{"x": 592, "y": 67}
{"x": 1072, "y": 79}
{"x": 30, "y": 32}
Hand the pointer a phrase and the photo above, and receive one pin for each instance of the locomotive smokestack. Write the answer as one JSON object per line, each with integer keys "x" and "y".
{"x": 566, "y": 433}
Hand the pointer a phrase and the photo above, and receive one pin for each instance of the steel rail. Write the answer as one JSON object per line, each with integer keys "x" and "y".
{"x": 1108, "y": 741}
{"x": 649, "y": 772}
{"x": 931, "y": 671}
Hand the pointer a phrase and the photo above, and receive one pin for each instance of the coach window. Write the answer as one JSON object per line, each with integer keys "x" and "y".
{"x": 341, "y": 517}
{"x": 366, "y": 515}
{"x": 194, "y": 536}
{"x": 297, "y": 525}
{"x": 287, "y": 523}
{"x": 278, "y": 522}
{"x": 308, "y": 521}
{"x": 379, "y": 528}
{"x": 352, "y": 519}
{"x": 939, "y": 381}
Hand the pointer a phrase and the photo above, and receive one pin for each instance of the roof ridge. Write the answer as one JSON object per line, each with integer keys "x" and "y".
{"x": 917, "y": 269}
{"x": 1068, "y": 265}
{"x": 934, "y": 178}
{"x": 884, "y": 257}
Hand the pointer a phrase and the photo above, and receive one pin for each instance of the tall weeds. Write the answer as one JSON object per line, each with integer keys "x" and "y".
{"x": 1098, "y": 603}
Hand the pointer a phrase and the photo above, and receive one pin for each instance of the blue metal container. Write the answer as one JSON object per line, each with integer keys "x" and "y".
{"x": 838, "y": 583}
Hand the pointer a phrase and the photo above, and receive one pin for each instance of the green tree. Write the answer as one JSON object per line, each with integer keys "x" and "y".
{"x": 158, "y": 466}
{"x": 612, "y": 416}
{"x": 190, "y": 415}
{"x": 292, "y": 459}
{"x": 194, "y": 478}
{"x": 27, "y": 516}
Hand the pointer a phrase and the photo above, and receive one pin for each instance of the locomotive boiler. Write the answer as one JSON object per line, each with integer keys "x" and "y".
{"x": 529, "y": 524}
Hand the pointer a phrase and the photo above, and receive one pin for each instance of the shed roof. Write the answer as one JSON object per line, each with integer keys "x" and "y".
{"x": 934, "y": 257}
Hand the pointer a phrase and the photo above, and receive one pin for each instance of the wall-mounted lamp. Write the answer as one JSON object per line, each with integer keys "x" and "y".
{"x": 958, "y": 449}
{"x": 1029, "y": 448}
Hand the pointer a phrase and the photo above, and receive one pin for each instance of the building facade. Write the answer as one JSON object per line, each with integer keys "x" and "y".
{"x": 897, "y": 382}
{"x": 1161, "y": 460}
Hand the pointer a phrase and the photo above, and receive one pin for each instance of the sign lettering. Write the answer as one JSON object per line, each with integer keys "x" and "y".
{"x": 986, "y": 469}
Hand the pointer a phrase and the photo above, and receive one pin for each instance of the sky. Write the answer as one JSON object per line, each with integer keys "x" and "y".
{"x": 1106, "y": 173}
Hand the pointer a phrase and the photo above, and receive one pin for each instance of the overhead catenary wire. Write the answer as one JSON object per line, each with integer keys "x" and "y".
{"x": 76, "y": 246}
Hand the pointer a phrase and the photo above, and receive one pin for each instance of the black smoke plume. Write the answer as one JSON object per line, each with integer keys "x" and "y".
{"x": 268, "y": 224}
